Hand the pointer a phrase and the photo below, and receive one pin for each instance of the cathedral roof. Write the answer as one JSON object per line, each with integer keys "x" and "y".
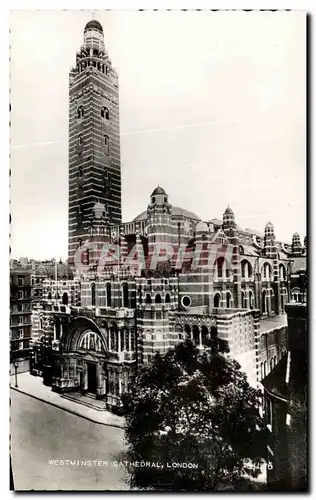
{"x": 175, "y": 211}
{"x": 93, "y": 25}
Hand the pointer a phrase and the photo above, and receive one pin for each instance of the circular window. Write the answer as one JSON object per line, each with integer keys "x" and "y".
{"x": 186, "y": 301}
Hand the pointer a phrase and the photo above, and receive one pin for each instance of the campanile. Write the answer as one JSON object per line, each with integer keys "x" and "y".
{"x": 94, "y": 139}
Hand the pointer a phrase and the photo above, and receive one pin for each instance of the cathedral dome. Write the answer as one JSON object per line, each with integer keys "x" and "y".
{"x": 93, "y": 25}
{"x": 269, "y": 225}
{"x": 158, "y": 190}
{"x": 175, "y": 212}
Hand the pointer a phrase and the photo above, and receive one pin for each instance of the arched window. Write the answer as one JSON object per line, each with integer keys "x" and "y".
{"x": 108, "y": 294}
{"x": 196, "y": 334}
{"x": 246, "y": 269}
{"x": 99, "y": 66}
{"x": 65, "y": 298}
{"x": 80, "y": 112}
{"x": 265, "y": 369}
{"x": 266, "y": 272}
{"x": 92, "y": 342}
{"x": 57, "y": 329}
{"x": 271, "y": 364}
{"x": 80, "y": 144}
{"x": 282, "y": 272}
{"x": 158, "y": 298}
{"x": 125, "y": 294}
{"x": 148, "y": 299}
{"x": 243, "y": 300}
{"x": 251, "y": 300}
{"x": 105, "y": 113}
{"x": 106, "y": 144}
{"x": 204, "y": 333}
{"x": 264, "y": 301}
{"x": 187, "y": 330}
{"x": 167, "y": 299}
{"x": 49, "y": 296}
{"x": 261, "y": 371}
{"x": 113, "y": 338}
{"x": 41, "y": 324}
{"x": 179, "y": 331}
{"x": 217, "y": 299}
{"x": 93, "y": 294}
{"x": 228, "y": 300}
{"x": 219, "y": 266}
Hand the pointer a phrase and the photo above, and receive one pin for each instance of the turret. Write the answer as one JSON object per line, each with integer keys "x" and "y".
{"x": 269, "y": 249}
{"x": 296, "y": 245}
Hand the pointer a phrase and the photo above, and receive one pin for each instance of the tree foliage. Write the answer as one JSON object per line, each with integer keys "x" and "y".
{"x": 192, "y": 406}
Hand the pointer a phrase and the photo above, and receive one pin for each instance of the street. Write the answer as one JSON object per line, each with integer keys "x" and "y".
{"x": 41, "y": 433}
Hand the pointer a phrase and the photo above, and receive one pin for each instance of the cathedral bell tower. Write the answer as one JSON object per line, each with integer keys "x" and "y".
{"x": 94, "y": 140}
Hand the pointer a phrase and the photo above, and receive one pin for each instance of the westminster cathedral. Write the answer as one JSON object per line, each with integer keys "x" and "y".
{"x": 110, "y": 316}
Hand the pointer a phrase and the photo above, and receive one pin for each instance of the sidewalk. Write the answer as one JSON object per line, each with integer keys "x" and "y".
{"x": 34, "y": 387}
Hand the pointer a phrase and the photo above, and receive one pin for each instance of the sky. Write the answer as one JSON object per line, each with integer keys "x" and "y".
{"x": 212, "y": 108}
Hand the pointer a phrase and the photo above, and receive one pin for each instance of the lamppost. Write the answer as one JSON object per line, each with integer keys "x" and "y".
{"x": 16, "y": 364}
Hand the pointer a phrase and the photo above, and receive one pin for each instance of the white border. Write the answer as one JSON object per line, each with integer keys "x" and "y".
{"x": 306, "y": 5}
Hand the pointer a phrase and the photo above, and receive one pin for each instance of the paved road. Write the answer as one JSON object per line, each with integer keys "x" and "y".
{"x": 41, "y": 432}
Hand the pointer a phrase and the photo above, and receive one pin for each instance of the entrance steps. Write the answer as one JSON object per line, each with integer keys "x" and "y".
{"x": 86, "y": 400}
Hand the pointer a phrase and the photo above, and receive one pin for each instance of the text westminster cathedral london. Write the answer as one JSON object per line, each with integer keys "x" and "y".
{"x": 110, "y": 315}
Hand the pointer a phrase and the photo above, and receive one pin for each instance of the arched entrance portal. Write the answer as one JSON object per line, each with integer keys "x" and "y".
{"x": 92, "y": 362}
{"x": 83, "y": 355}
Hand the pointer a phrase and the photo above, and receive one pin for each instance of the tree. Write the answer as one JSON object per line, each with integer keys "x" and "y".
{"x": 193, "y": 407}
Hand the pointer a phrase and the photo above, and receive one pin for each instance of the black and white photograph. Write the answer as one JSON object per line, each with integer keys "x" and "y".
{"x": 158, "y": 251}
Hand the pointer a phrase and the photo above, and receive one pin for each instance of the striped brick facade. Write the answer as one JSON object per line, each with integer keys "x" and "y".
{"x": 94, "y": 139}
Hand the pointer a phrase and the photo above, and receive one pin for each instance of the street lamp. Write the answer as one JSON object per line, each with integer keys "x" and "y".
{"x": 16, "y": 364}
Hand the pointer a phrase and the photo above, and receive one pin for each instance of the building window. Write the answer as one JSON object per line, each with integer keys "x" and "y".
{"x": 158, "y": 298}
{"x": 125, "y": 294}
{"x": 65, "y": 299}
{"x": 132, "y": 340}
{"x": 167, "y": 299}
{"x": 106, "y": 144}
{"x": 20, "y": 281}
{"x": 80, "y": 112}
{"x": 105, "y": 113}
{"x": 20, "y": 294}
{"x": 108, "y": 294}
{"x": 80, "y": 144}
{"x": 217, "y": 299}
{"x": 228, "y": 300}
{"x": 93, "y": 294}
{"x": 148, "y": 299}
{"x": 21, "y": 319}
{"x": 186, "y": 301}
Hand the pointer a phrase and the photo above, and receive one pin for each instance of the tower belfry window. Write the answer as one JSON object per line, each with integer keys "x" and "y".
{"x": 105, "y": 113}
{"x": 80, "y": 112}
{"x": 106, "y": 144}
{"x": 80, "y": 144}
